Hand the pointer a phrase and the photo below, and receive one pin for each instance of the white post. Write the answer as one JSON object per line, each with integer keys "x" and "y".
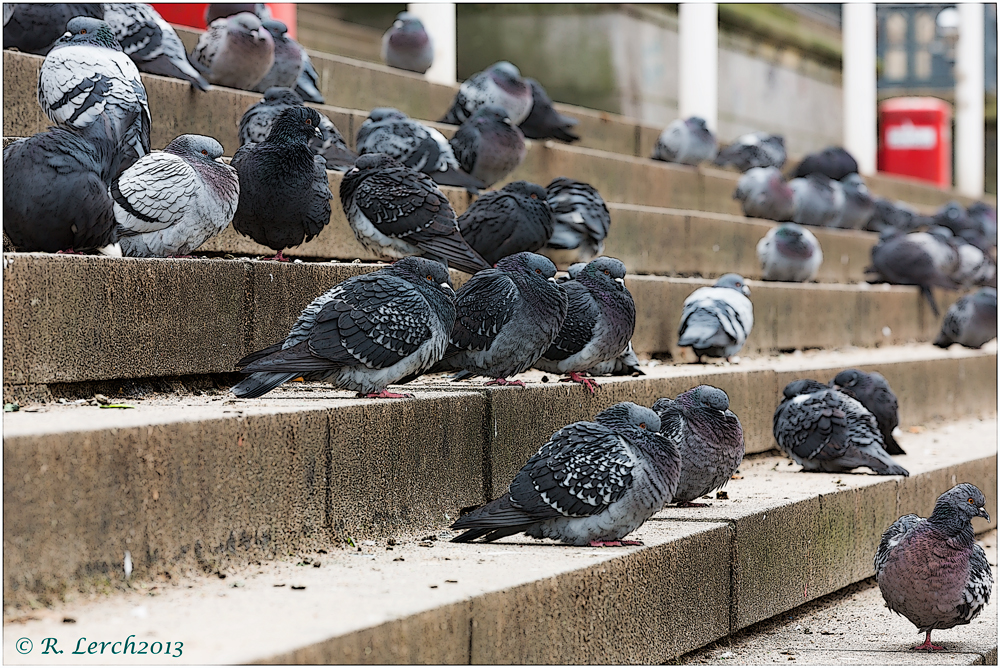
{"x": 860, "y": 96}
{"x": 439, "y": 22}
{"x": 970, "y": 137}
{"x": 698, "y": 48}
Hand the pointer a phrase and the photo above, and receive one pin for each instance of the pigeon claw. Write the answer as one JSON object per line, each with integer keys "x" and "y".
{"x": 691, "y": 504}
{"x": 504, "y": 382}
{"x": 928, "y": 646}
{"x": 386, "y": 394}
{"x": 277, "y": 258}
{"x": 589, "y": 383}
{"x": 606, "y": 543}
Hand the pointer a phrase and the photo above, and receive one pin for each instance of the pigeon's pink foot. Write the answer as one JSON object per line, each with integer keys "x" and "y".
{"x": 605, "y": 543}
{"x": 632, "y": 542}
{"x": 69, "y": 251}
{"x": 691, "y": 504}
{"x": 928, "y": 646}
{"x": 589, "y": 383}
{"x": 386, "y": 394}
{"x": 181, "y": 257}
{"x": 278, "y": 258}
{"x": 504, "y": 381}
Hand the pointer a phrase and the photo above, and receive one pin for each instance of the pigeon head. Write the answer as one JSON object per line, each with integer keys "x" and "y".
{"x": 407, "y": 22}
{"x": 697, "y": 122}
{"x": 420, "y": 270}
{"x": 195, "y": 146}
{"x": 855, "y": 179}
{"x": 956, "y": 507}
{"x": 506, "y": 74}
{"x": 296, "y": 124}
{"x": 490, "y": 113}
{"x": 803, "y": 386}
{"x": 276, "y": 28}
{"x": 704, "y": 396}
{"x": 526, "y": 188}
{"x": 604, "y": 271}
{"x": 627, "y": 414}
{"x": 529, "y": 263}
{"x": 734, "y": 282}
{"x": 88, "y": 30}
{"x": 380, "y": 114}
{"x": 792, "y": 241}
{"x": 374, "y": 161}
{"x": 574, "y": 270}
{"x": 247, "y": 26}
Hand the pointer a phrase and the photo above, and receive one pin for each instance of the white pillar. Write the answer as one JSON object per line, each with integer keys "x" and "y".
{"x": 860, "y": 96}
{"x": 439, "y": 22}
{"x": 698, "y": 48}
{"x": 970, "y": 137}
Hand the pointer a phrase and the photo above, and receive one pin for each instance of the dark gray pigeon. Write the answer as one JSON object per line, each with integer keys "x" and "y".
{"x": 580, "y": 216}
{"x": 709, "y": 437}
{"x": 826, "y": 430}
{"x": 910, "y": 259}
{"x": 763, "y": 193}
{"x": 897, "y": 215}
{"x": 488, "y": 146}
{"x": 931, "y": 570}
{"x": 971, "y": 321}
{"x": 218, "y": 10}
{"x": 407, "y": 46}
{"x": 789, "y": 252}
{"x": 717, "y": 320}
{"x": 859, "y": 206}
{"x": 833, "y": 162}
{"x": 151, "y": 42}
{"x": 499, "y": 85}
{"x": 396, "y": 211}
{"x": 686, "y": 142}
{"x": 237, "y": 51}
{"x": 544, "y": 122}
{"x": 288, "y": 62}
{"x": 757, "y": 149}
{"x": 364, "y": 334}
{"x": 172, "y": 201}
{"x": 874, "y": 393}
{"x": 819, "y": 200}
{"x": 954, "y": 216}
{"x": 34, "y": 27}
{"x": 986, "y": 218}
{"x": 592, "y": 483}
{"x": 598, "y": 325}
{"x": 284, "y": 192}
{"x": 307, "y": 85}
{"x": 502, "y": 222}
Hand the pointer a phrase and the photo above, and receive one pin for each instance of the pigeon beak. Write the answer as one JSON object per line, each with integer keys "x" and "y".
{"x": 983, "y": 513}
{"x": 318, "y": 132}
{"x": 353, "y": 170}
{"x": 507, "y": 121}
{"x": 621, "y": 282}
{"x": 447, "y": 288}
{"x": 552, "y": 279}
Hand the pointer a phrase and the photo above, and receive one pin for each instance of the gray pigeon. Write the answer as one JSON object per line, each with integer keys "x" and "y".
{"x": 686, "y": 141}
{"x": 580, "y": 216}
{"x": 34, "y": 27}
{"x": 974, "y": 267}
{"x": 819, "y": 200}
{"x": 757, "y": 149}
{"x": 971, "y": 321}
{"x": 488, "y": 146}
{"x": 598, "y": 325}
{"x": 826, "y": 430}
{"x": 150, "y": 41}
{"x": 931, "y": 570}
{"x": 763, "y": 193}
{"x": 544, "y": 122}
{"x": 874, "y": 393}
{"x": 364, "y": 334}
{"x": 859, "y": 206}
{"x": 499, "y": 85}
{"x": 954, "y": 216}
{"x": 912, "y": 259}
{"x": 218, "y": 10}
{"x": 507, "y": 317}
{"x": 288, "y": 62}
{"x": 897, "y": 215}
{"x": 307, "y": 85}
{"x": 502, "y": 222}
{"x": 237, "y": 51}
{"x": 592, "y": 483}
{"x": 396, "y": 211}
{"x": 789, "y": 252}
{"x": 407, "y": 46}
{"x": 833, "y": 162}
{"x": 709, "y": 437}
{"x": 986, "y": 218}
{"x": 717, "y": 320}
{"x": 171, "y": 202}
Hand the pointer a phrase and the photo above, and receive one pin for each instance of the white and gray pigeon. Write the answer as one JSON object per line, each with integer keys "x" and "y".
{"x": 489, "y": 146}
{"x": 931, "y": 570}
{"x": 544, "y": 122}
{"x": 581, "y": 218}
{"x": 592, "y": 483}
{"x": 717, "y": 320}
{"x": 974, "y": 267}
{"x": 709, "y": 437}
{"x": 364, "y": 334}
{"x": 819, "y": 200}
{"x": 686, "y": 142}
{"x": 859, "y": 206}
{"x": 763, "y": 193}
{"x": 874, "y": 393}
{"x": 789, "y": 252}
{"x": 87, "y": 75}
{"x": 151, "y": 42}
{"x": 986, "y": 218}
{"x": 920, "y": 259}
{"x": 34, "y": 27}
{"x": 499, "y": 85}
{"x": 971, "y": 321}
{"x": 826, "y": 430}
{"x": 236, "y": 51}
{"x": 407, "y": 46}
{"x": 756, "y": 149}
{"x": 288, "y": 61}
{"x": 172, "y": 201}
{"x": 503, "y": 222}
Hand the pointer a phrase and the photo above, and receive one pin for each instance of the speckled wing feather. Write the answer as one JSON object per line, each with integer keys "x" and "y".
{"x": 404, "y": 206}
{"x": 578, "y": 328}
{"x": 470, "y": 96}
{"x": 171, "y": 177}
{"x": 485, "y": 304}
{"x": 979, "y": 586}
{"x": 813, "y": 427}
{"x": 891, "y": 538}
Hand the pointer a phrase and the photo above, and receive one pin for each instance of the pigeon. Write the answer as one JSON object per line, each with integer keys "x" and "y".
{"x": 502, "y": 222}
{"x": 307, "y": 85}
{"x": 488, "y": 146}
{"x": 826, "y": 430}
{"x": 986, "y": 217}
{"x": 757, "y": 149}
{"x": 911, "y": 259}
{"x": 708, "y": 436}
{"x": 507, "y": 317}
{"x": 686, "y": 141}
{"x": 544, "y": 122}
{"x": 971, "y": 321}
{"x": 499, "y": 85}
{"x": 151, "y": 42}
{"x": 897, "y": 215}
{"x": 364, "y": 334}
{"x": 34, "y": 27}
{"x": 789, "y": 252}
{"x": 819, "y": 200}
{"x": 598, "y": 325}
{"x": 717, "y": 320}
{"x": 237, "y": 51}
{"x": 396, "y": 211}
{"x": 170, "y": 202}
{"x": 833, "y": 162}
{"x": 954, "y": 216}
{"x": 220, "y": 10}
{"x": 859, "y": 206}
{"x": 931, "y": 570}
{"x": 974, "y": 267}
{"x": 418, "y": 146}
{"x": 763, "y": 193}
{"x": 874, "y": 393}
{"x": 580, "y": 217}
{"x": 87, "y": 75}
{"x": 288, "y": 62}
{"x": 407, "y": 46}
{"x": 284, "y": 192}
{"x": 592, "y": 483}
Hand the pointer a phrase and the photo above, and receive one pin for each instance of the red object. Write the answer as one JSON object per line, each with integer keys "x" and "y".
{"x": 192, "y": 14}
{"x": 915, "y": 139}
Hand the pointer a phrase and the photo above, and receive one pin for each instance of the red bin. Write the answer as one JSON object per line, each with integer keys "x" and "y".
{"x": 915, "y": 139}
{"x": 192, "y": 14}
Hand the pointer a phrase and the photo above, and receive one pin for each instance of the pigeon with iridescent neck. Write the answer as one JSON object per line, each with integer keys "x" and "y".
{"x": 488, "y": 146}
{"x": 789, "y": 252}
{"x": 407, "y": 46}
{"x": 236, "y": 51}
{"x": 763, "y": 193}
{"x": 499, "y": 85}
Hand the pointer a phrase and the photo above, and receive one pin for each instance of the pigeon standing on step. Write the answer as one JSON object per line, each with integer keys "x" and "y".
{"x": 833, "y": 162}
{"x": 931, "y": 570}
{"x": 717, "y": 320}
{"x": 544, "y": 122}
{"x": 874, "y": 393}
{"x": 971, "y": 321}
{"x": 288, "y": 62}
{"x": 172, "y": 201}
{"x": 757, "y": 149}
{"x": 284, "y": 192}
{"x": 499, "y": 85}
{"x": 364, "y": 334}
{"x": 237, "y": 51}
{"x": 763, "y": 193}
{"x": 789, "y": 252}
{"x": 488, "y": 146}
{"x": 826, "y": 430}
{"x": 686, "y": 142}
{"x": 910, "y": 259}
{"x": 407, "y": 46}
{"x": 592, "y": 483}
{"x": 502, "y": 222}
{"x": 709, "y": 437}
{"x": 819, "y": 200}
{"x": 859, "y": 206}
{"x": 580, "y": 217}
{"x": 34, "y": 27}
{"x": 396, "y": 211}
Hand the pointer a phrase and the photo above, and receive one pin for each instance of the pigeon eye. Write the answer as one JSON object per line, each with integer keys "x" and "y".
{"x": 972, "y": 502}
{"x": 83, "y": 32}
{"x": 642, "y": 424}
{"x": 309, "y": 121}
{"x": 429, "y": 277}
{"x": 607, "y": 272}
{"x": 204, "y": 152}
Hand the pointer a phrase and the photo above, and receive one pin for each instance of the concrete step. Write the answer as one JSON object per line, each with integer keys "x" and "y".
{"x": 780, "y": 539}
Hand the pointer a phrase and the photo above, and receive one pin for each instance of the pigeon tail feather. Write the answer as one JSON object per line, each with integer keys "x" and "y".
{"x": 260, "y": 384}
